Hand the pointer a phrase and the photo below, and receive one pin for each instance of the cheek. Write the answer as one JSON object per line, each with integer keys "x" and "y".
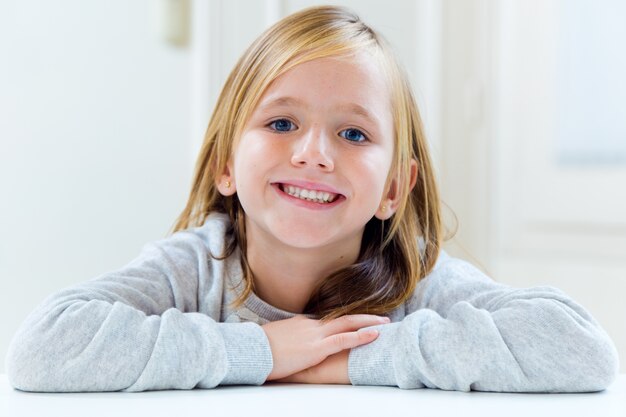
{"x": 249, "y": 152}
{"x": 375, "y": 171}
{"x": 254, "y": 157}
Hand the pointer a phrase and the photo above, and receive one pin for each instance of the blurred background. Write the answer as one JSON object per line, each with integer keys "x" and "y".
{"x": 103, "y": 106}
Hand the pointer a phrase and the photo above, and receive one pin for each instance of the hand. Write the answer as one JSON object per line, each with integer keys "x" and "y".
{"x": 299, "y": 343}
{"x": 332, "y": 370}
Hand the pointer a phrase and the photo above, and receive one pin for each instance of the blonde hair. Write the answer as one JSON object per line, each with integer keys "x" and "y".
{"x": 391, "y": 261}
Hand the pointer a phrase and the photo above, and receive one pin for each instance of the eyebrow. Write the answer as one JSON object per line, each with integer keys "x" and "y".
{"x": 346, "y": 107}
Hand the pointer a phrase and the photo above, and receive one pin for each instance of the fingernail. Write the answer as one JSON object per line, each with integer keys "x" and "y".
{"x": 385, "y": 319}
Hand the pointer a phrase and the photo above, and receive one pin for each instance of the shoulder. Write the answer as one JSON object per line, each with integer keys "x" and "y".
{"x": 450, "y": 281}
{"x": 454, "y": 280}
{"x": 211, "y": 236}
{"x": 450, "y": 272}
{"x": 189, "y": 246}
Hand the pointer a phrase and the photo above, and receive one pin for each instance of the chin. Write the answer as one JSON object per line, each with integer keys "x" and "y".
{"x": 304, "y": 242}
{"x": 301, "y": 237}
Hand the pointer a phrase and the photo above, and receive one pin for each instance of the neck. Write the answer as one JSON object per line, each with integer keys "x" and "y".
{"x": 286, "y": 277}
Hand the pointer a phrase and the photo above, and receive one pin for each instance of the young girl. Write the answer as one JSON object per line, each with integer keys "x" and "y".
{"x": 310, "y": 251}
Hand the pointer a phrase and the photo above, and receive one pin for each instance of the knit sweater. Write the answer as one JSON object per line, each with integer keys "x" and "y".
{"x": 165, "y": 321}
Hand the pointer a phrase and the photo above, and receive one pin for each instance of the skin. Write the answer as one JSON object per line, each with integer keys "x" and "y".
{"x": 325, "y": 124}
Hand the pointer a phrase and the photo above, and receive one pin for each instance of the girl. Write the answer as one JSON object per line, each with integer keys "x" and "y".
{"x": 310, "y": 251}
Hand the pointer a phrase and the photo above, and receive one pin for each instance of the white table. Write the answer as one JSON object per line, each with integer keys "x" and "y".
{"x": 313, "y": 400}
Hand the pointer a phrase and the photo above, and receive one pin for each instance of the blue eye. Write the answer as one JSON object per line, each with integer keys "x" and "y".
{"x": 282, "y": 125}
{"x": 353, "y": 135}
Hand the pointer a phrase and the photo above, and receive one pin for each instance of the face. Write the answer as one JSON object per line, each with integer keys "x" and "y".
{"x": 311, "y": 165}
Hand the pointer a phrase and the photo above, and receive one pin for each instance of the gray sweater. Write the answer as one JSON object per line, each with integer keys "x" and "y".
{"x": 164, "y": 321}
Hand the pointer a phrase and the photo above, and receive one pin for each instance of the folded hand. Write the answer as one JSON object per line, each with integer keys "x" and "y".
{"x": 300, "y": 343}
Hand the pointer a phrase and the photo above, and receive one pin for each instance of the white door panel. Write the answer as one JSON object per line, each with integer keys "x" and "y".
{"x": 545, "y": 204}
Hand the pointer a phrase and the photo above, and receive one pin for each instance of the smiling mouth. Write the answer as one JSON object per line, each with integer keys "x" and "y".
{"x": 322, "y": 197}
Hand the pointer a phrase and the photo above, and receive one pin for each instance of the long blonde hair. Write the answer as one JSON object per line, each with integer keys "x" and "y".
{"x": 391, "y": 261}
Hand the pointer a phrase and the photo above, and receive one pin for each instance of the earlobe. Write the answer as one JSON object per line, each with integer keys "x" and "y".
{"x": 390, "y": 203}
{"x": 225, "y": 186}
{"x": 385, "y": 210}
{"x": 225, "y": 183}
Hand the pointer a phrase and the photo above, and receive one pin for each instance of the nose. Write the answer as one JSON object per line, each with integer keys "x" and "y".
{"x": 313, "y": 150}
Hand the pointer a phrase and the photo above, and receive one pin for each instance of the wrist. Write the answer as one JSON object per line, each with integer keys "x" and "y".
{"x": 372, "y": 364}
{"x": 248, "y": 353}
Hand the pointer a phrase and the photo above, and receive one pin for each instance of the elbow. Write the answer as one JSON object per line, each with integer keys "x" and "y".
{"x": 23, "y": 370}
{"x": 35, "y": 361}
{"x": 568, "y": 350}
{"x": 583, "y": 356}
{"x": 592, "y": 365}
{"x": 601, "y": 365}
{"x": 597, "y": 360}
{"x": 572, "y": 366}
{"x": 44, "y": 355}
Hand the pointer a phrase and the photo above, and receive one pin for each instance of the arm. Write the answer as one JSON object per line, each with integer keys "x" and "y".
{"x": 138, "y": 329}
{"x": 466, "y": 332}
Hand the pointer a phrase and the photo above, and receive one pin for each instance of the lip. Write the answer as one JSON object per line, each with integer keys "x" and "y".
{"x": 311, "y": 205}
{"x": 309, "y": 185}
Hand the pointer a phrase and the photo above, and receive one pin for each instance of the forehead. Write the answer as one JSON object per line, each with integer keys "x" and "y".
{"x": 354, "y": 82}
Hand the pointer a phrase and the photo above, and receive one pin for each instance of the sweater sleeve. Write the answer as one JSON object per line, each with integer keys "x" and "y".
{"x": 465, "y": 332}
{"x": 138, "y": 329}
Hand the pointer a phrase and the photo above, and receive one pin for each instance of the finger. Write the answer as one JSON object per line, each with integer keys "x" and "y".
{"x": 352, "y": 322}
{"x": 294, "y": 378}
{"x": 342, "y": 341}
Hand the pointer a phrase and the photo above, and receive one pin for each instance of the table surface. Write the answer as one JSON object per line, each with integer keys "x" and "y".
{"x": 313, "y": 400}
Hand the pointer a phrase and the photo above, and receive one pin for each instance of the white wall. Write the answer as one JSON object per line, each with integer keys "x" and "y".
{"x": 94, "y": 143}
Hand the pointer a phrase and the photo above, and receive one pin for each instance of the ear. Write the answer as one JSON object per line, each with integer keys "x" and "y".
{"x": 225, "y": 182}
{"x": 391, "y": 198}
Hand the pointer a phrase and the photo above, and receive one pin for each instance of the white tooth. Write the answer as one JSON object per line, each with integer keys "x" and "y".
{"x": 309, "y": 195}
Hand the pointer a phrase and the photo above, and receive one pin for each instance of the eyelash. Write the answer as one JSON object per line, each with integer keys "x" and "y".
{"x": 272, "y": 125}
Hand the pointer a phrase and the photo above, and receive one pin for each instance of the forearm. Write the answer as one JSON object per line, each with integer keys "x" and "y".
{"x": 98, "y": 346}
{"x": 469, "y": 333}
